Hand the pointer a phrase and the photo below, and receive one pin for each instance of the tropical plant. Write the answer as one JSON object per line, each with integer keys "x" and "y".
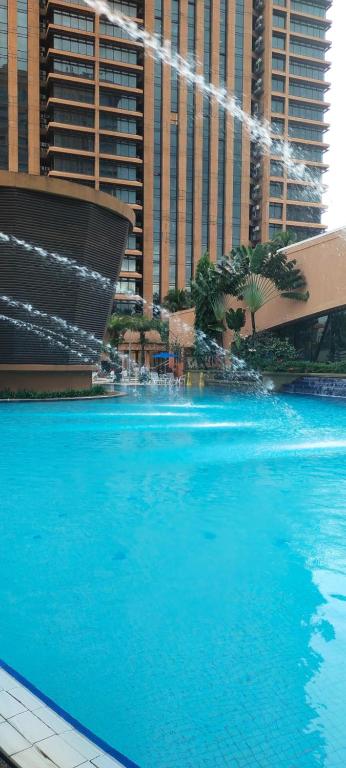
{"x": 119, "y": 324}
{"x": 177, "y": 299}
{"x": 235, "y": 319}
{"x": 262, "y": 350}
{"x": 208, "y": 299}
{"x": 260, "y": 274}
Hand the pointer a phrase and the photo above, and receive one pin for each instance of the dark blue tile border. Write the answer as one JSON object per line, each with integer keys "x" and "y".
{"x": 71, "y": 720}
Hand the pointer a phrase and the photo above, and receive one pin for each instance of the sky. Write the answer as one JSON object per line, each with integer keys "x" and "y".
{"x": 335, "y": 197}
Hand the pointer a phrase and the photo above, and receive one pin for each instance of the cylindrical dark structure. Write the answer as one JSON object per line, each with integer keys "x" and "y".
{"x": 61, "y": 247}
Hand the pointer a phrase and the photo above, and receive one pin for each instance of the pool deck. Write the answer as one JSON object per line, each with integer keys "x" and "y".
{"x": 33, "y": 735}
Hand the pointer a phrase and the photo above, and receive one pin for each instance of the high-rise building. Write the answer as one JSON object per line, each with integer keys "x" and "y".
{"x": 82, "y": 101}
{"x": 289, "y": 91}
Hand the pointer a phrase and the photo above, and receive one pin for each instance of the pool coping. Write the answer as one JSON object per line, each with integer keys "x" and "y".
{"x": 36, "y": 733}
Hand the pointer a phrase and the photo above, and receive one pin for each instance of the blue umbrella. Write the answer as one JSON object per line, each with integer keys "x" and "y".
{"x": 164, "y": 355}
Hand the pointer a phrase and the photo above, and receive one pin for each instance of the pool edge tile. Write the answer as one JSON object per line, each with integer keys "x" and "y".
{"x": 66, "y": 734}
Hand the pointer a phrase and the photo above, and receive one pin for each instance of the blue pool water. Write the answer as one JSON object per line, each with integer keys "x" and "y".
{"x": 173, "y": 573}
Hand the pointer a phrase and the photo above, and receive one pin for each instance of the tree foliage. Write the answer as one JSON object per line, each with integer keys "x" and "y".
{"x": 119, "y": 324}
{"x": 260, "y": 274}
{"x": 177, "y": 299}
{"x": 207, "y": 297}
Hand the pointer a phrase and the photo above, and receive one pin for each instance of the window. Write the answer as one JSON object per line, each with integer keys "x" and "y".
{"x": 117, "y": 100}
{"x": 278, "y": 105}
{"x": 279, "y": 20}
{"x": 278, "y": 62}
{"x": 309, "y": 28}
{"x": 115, "y": 170}
{"x": 111, "y": 122}
{"x": 274, "y": 230}
{"x": 305, "y": 48}
{"x": 73, "y": 44}
{"x": 117, "y": 53}
{"x": 109, "y": 145}
{"x": 73, "y": 92}
{"x": 312, "y": 8}
{"x": 310, "y": 71}
{"x": 125, "y": 6}
{"x": 129, "y": 264}
{"x": 312, "y": 174}
{"x": 276, "y": 168}
{"x": 276, "y": 189}
{"x": 73, "y": 140}
{"x": 278, "y": 126}
{"x": 126, "y": 286}
{"x": 302, "y": 213}
{"x": 301, "y": 131}
{"x": 306, "y": 91}
{"x": 304, "y": 233}
{"x": 307, "y": 152}
{"x": 73, "y": 20}
{"x": 126, "y": 194}
{"x": 319, "y": 338}
{"x": 73, "y": 164}
{"x": 278, "y": 42}
{"x": 301, "y": 192}
{"x": 278, "y": 84}
{"x": 276, "y": 147}
{"x": 118, "y": 77}
{"x": 72, "y": 116}
{"x": 132, "y": 244}
{"x": 74, "y": 68}
{"x": 308, "y": 111}
{"x": 275, "y": 210}
{"x": 112, "y": 30}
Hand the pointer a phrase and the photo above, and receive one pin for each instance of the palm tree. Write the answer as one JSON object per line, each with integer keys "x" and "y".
{"x": 119, "y": 324}
{"x": 260, "y": 274}
{"x": 177, "y": 299}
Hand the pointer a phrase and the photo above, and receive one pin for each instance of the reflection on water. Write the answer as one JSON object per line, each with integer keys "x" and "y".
{"x": 183, "y": 558}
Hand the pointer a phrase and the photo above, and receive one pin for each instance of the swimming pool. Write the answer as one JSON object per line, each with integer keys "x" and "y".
{"x": 173, "y": 573}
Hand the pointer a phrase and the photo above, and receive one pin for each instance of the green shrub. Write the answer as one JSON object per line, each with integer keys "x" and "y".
{"x": 26, "y": 394}
{"x": 304, "y": 366}
{"x": 263, "y": 350}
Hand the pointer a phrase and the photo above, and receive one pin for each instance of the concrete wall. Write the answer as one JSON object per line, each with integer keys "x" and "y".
{"x": 323, "y": 262}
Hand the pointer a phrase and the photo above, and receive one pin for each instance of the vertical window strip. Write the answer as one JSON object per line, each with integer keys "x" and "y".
{"x": 173, "y": 207}
{"x": 190, "y": 147}
{"x": 238, "y": 134}
{"x": 175, "y": 49}
{"x": 3, "y": 85}
{"x": 222, "y": 130}
{"x": 157, "y": 159}
{"x": 206, "y": 127}
{"x": 22, "y": 83}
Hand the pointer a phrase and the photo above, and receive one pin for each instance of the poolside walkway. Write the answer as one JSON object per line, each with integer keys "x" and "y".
{"x": 33, "y": 735}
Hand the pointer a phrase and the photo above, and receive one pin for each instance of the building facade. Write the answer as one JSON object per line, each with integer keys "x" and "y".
{"x": 290, "y": 86}
{"x": 81, "y": 101}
